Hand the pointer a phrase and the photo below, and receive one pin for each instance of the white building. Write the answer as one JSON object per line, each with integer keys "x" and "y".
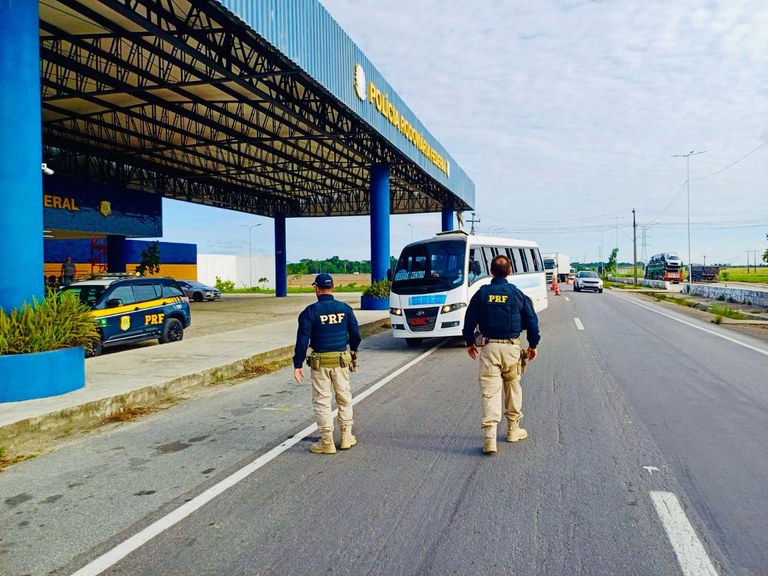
{"x": 259, "y": 272}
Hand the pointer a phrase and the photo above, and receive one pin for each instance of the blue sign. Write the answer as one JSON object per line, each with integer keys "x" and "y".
{"x": 91, "y": 207}
{"x": 428, "y": 299}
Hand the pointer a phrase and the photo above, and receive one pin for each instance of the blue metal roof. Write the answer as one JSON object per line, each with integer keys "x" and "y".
{"x": 260, "y": 106}
{"x": 307, "y": 34}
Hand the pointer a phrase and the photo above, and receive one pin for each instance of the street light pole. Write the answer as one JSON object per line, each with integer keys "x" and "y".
{"x": 250, "y": 252}
{"x": 688, "y": 185}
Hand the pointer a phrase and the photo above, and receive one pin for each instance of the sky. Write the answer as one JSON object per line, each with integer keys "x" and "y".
{"x": 566, "y": 115}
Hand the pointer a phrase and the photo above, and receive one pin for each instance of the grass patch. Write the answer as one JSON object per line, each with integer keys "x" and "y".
{"x": 724, "y": 312}
{"x": 252, "y": 368}
{"x": 739, "y": 274}
{"x": 621, "y": 285}
{"x": 717, "y": 320}
{"x": 128, "y": 414}
{"x": 7, "y": 461}
{"x": 675, "y": 300}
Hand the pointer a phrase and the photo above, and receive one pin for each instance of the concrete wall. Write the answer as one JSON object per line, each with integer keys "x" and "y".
{"x": 740, "y": 295}
{"x": 236, "y": 269}
{"x": 659, "y": 284}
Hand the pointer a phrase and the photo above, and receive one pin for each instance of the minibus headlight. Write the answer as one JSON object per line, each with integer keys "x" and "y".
{"x": 451, "y": 307}
{"x": 396, "y": 311}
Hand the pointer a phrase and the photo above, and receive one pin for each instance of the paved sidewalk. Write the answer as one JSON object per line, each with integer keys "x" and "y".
{"x": 148, "y": 374}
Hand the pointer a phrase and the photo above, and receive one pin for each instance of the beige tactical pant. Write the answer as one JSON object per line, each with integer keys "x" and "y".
{"x": 326, "y": 381}
{"x": 500, "y": 368}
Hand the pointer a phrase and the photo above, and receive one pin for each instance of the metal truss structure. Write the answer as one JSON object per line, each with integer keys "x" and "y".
{"x": 178, "y": 98}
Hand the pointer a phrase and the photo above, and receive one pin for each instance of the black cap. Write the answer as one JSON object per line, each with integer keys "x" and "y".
{"x": 323, "y": 281}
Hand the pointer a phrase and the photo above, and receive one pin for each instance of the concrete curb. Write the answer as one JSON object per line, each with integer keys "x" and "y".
{"x": 62, "y": 423}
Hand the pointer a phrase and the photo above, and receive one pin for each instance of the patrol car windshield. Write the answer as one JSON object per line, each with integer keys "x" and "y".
{"x": 88, "y": 294}
{"x": 430, "y": 266}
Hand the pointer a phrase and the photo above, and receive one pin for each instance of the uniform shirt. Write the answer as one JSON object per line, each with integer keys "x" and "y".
{"x": 328, "y": 326}
{"x": 502, "y": 311}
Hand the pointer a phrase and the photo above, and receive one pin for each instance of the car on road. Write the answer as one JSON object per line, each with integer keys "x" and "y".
{"x": 587, "y": 280}
{"x": 130, "y": 309}
{"x": 198, "y": 291}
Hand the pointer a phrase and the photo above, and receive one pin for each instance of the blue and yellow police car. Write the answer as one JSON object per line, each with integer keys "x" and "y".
{"x": 130, "y": 309}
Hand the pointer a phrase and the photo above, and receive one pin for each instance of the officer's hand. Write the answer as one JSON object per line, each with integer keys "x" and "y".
{"x": 472, "y": 351}
{"x": 531, "y": 353}
{"x": 298, "y": 374}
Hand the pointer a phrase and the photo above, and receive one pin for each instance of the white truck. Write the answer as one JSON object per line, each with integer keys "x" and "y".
{"x": 558, "y": 264}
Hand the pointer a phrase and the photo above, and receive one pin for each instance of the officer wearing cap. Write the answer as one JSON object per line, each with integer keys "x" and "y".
{"x": 502, "y": 312}
{"x": 328, "y": 326}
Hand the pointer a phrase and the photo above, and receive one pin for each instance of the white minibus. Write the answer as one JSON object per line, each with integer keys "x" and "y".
{"x": 435, "y": 279}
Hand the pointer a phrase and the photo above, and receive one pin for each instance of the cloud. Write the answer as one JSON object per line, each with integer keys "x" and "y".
{"x": 572, "y": 109}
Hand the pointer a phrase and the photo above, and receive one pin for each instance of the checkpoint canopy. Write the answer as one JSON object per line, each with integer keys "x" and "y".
{"x": 265, "y": 107}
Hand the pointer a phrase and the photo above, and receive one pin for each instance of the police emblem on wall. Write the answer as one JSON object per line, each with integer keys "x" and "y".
{"x": 125, "y": 323}
{"x": 360, "y": 88}
{"x": 105, "y": 208}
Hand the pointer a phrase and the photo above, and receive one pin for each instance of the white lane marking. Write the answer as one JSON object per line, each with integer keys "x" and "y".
{"x": 579, "y": 325}
{"x": 122, "y": 550}
{"x": 707, "y": 330}
{"x": 567, "y": 299}
{"x": 688, "y": 548}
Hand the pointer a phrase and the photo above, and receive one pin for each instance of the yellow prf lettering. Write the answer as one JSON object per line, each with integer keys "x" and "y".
{"x": 154, "y": 319}
{"x": 497, "y": 298}
{"x": 323, "y": 319}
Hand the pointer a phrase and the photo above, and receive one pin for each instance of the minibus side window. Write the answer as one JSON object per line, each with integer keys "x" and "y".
{"x": 526, "y": 264}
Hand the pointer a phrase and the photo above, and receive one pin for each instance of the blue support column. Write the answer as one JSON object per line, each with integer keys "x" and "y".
{"x": 380, "y": 207}
{"x": 116, "y": 253}
{"x": 281, "y": 263}
{"x": 447, "y": 219}
{"x": 21, "y": 185}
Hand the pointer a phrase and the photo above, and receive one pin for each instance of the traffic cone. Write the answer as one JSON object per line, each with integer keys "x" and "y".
{"x": 557, "y": 289}
{"x": 554, "y": 283}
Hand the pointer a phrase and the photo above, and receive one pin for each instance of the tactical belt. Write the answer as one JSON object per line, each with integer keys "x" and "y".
{"x": 319, "y": 360}
{"x": 502, "y": 340}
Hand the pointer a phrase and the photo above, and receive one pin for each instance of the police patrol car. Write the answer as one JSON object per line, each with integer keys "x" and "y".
{"x": 131, "y": 309}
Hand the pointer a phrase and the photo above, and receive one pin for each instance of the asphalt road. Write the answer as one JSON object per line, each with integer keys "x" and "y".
{"x": 622, "y": 414}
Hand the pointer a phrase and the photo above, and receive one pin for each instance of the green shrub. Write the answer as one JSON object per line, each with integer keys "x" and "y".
{"x": 724, "y": 311}
{"x": 224, "y": 285}
{"x": 378, "y": 289}
{"x": 717, "y": 320}
{"x": 59, "y": 321}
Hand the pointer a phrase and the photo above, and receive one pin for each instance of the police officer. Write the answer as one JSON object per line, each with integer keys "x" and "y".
{"x": 328, "y": 326}
{"x": 502, "y": 311}
{"x": 68, "y": 271}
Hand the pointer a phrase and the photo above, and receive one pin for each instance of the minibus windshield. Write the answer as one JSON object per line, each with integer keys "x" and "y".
{"x": 430, "y": 266}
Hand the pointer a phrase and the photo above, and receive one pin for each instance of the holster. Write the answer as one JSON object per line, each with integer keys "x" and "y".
{"x": 480, "y": 340}
{"x": 523, "y": 360}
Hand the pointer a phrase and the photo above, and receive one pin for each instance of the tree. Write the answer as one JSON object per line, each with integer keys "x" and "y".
{"x": 150, "y": 260}
{"x": 612, "y": 264}
{"x": 765, "y": 254}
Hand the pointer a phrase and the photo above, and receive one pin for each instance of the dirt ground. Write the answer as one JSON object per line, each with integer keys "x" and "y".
{"x": 339, "y": 279}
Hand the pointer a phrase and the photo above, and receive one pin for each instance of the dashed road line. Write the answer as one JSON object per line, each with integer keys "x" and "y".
{"x": 579, "y": 325}
{"x": 691, "y": 556}
{"x": 113, "y": 556}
